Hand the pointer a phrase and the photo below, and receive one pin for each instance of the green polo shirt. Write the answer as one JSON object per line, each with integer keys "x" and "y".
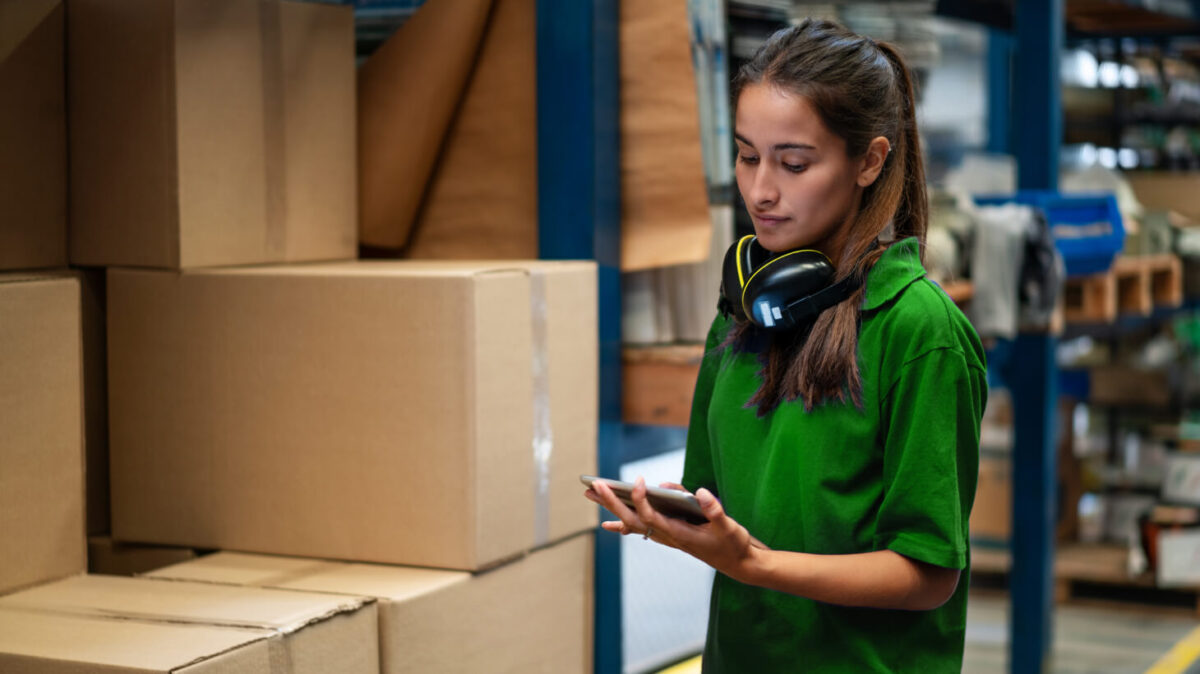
{"x": 898, "y": 474}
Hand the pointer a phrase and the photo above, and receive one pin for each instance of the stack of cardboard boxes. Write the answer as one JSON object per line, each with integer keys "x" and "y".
{"x": 266, "y": 392}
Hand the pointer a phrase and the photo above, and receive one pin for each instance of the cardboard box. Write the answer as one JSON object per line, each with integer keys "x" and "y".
{"x": 1124, "y": 385}
{"x": 211, "y": 132}
{"x": 1178, "y": 558}
{"x": 108, "y": 557}
{"x": 33, "y": 135}
{"x": 369, "y": 411}
{"x": 41, "y": 446}
{"x": 305, "y": 632}
{"x": 57, "y": 643}
{"x": 991, "y": 516}
{"x": 1181, "y": 483}
{"x": 447, "y": 621}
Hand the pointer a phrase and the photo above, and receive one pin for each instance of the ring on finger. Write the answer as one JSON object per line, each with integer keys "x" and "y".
{"x": 648, "y": 534}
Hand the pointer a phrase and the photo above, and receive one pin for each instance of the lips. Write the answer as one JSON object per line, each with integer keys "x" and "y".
{"x": 769, "y": 220}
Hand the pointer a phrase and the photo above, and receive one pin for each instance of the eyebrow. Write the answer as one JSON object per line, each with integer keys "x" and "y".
{"x": 778, "y": 146}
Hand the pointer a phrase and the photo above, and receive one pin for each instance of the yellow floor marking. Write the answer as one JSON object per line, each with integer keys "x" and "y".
{"x": 1181, "y": 656}
{"x": 686, "y": 667}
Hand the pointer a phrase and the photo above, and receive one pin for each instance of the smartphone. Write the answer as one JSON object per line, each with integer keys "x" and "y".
{"x": 670, "y": 502}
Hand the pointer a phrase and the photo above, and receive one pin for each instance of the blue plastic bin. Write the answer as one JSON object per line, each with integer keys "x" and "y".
{"x": 1087, "y": 228}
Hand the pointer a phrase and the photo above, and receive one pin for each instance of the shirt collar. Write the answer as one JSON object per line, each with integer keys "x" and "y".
{"x": 896, "y": 269}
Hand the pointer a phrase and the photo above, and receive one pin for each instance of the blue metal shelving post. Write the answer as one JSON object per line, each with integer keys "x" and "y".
{"x": 1031, "y": 372}
{"x": 999, "y": 103}
{"x": 579, "y": 216}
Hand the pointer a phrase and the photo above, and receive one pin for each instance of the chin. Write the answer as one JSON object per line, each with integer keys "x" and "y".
{"x": 777, "y": 244}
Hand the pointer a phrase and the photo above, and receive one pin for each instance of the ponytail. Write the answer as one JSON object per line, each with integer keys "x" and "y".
{"x": 912, "y": 213}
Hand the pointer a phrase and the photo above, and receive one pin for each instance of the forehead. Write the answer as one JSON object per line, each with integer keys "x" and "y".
{"x": 767, "y": 115}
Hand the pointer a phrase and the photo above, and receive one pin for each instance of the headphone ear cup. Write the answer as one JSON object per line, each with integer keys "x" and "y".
{"x": 742, "y": 259}
{"x": 731, "y": 286}
{"x": 783, "y": 281}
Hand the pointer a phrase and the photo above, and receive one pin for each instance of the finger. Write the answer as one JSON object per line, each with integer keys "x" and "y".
{"x": 673, "y": 485}
{"x": 653, "y": 519}
{"x": 710, "y": 506}
{"x": 614, "y": 526}
{"x": 614, "y": 505}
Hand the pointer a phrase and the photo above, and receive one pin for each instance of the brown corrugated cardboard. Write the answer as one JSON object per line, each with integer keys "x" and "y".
{"x": 408, "y": 91}
{"x": 51, "y": 643}
{"x": 447, "y": 621}
{"x": 566, "y": 385}
{"x": 366, "y": 411}
{"x": 108, "y": 557}
{"x": 497, "y": 119}
{"x": 314, "y": 633}
{"x": 991, "y": 516}
{"x": 664, "y": 196}
{"x": 1167, "y": 191}
{"x": 41, "y": 446}
{"x": 211, "y": 132}
{"x": 33, "y": 135}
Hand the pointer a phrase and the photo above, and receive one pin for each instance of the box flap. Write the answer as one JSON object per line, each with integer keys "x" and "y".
{"x": 138, "y": 646}
{"x": 34, "y": 276}
{"x": 371, "y": 268}
{"x": 182, "y": 601}
{"x": 395, "y": 583}
{"x": 240, "y": 568}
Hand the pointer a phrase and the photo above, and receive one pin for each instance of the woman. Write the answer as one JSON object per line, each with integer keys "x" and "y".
{"x": 844, "y": 453}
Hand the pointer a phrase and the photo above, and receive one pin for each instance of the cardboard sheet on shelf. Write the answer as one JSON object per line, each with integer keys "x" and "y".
{"x": 477, "y": 197}
{"x": 408, "y": 91}
{"x": 482, "y": 198}
{"x": 664, "y": 200}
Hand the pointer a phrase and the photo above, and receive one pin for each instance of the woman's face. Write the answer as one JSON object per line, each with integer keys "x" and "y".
{"x": 798, "y": 184}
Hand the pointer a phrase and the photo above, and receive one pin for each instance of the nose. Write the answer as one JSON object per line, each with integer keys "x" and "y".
{"x": 763, "y": 190}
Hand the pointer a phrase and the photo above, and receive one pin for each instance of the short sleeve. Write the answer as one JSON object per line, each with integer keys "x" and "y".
{"x": 698, "y": 470}
{"x": 931, "y": 419}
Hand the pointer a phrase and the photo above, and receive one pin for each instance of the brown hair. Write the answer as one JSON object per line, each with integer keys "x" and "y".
{"x": 861, "y": 89}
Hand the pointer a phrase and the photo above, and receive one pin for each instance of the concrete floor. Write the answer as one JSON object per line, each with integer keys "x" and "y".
{"x": 1088, "y": 640}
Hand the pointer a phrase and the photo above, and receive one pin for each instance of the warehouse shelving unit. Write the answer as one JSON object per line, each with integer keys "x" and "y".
{"x": 579, "y": 208}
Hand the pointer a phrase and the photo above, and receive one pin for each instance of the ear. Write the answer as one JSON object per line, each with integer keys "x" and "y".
{"x": 872, "y": 163}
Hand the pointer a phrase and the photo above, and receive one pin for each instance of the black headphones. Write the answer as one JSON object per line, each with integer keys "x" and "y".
{"x": 779, "y": 292}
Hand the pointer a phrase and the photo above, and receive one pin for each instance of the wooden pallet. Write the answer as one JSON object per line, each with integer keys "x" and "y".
{"x": 1135, "y": 285}
{"x": 1091, "y": 573}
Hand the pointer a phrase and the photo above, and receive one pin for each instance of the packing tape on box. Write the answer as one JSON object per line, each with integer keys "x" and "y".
{"x": 543, "y": 436}
{"x": 274, "y": 127}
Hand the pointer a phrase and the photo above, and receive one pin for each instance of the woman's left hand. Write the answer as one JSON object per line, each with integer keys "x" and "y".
{"x": 721, "y": 542}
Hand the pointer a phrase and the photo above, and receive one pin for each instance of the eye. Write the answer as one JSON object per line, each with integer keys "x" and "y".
{"x": 795, "y": 168}
{"x": 747, "y": 159}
